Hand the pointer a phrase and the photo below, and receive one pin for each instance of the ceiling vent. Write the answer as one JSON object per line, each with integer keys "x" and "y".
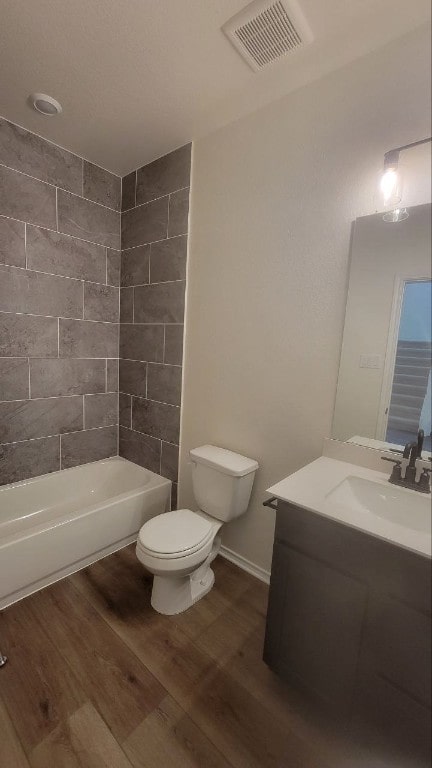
{"x": 265, "y": 30}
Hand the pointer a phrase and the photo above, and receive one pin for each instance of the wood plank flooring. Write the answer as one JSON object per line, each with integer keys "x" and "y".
{"x": 97, "y": 679}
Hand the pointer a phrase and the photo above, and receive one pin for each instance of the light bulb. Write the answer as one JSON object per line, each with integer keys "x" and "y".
{"x": 391, "y": 187}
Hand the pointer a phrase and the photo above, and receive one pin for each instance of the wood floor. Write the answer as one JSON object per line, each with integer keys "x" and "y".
{"x": 97, "y": 679}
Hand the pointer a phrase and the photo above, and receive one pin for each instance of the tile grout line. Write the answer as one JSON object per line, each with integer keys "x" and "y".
{"x": 62, "y": 189}
{"x": 72, "y": 319}
{"x": 60, "y": 434}
{"x": 67, "y": 152}
{"x": 92, "y": 242}
{"x": 153, "y": 199}
{"x": 86, "y": 280}
{"x": 58, "y": 274}
{"x": 146, "y": 434}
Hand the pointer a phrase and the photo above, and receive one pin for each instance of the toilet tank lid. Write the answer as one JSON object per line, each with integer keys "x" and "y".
{"x": 228, "y": 462}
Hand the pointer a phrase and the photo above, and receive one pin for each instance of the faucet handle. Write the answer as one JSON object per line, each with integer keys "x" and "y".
{"x": 423, "y": 466}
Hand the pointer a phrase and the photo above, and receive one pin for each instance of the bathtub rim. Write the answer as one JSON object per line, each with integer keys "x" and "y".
{"x": 57, "y": 472}
{"x": 27, "y": 531}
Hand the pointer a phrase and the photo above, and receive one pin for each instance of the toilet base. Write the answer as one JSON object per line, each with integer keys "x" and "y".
{"x": 171, "y": 595}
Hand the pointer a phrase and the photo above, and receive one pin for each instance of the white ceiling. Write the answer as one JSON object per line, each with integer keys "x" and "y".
{"x": 138, "y": 78}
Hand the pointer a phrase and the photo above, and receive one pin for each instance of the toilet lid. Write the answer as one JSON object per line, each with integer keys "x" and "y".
{"x": 180, "y": 531}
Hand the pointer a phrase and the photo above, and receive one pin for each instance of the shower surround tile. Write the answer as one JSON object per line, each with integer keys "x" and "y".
{"x": 101, "y": 302}
{"x": 128, "y": 191}
{"x": 156, "y": 419}
{"x": 55, "y": 377}
{"x": 89, "y": 445}
{"x": 160, "y": 303}
{"x": 63, "y": 255}
{"x": 169, "y": 461}
{"x": 87, "y": 220}
{"x": 38, "y": 294}
{"x": 101, "y": 410}
{"x": 178, "y": 213}
{"x": 12, "y": 242}
{"x": 113, "y": 267}
{"x": 28, "y": 336}
{"x": 126, "y": 305}
{"x": 133, "y": 377}
{"x": 66, "y": 248}
{"x": 30, "y": 419}
{"x": 164, "y": 383}
{"x": 173, "y": 352}
{"x": 141, "y": 449}
{"x": 51, "y": 358}
{"x": 14, "y": 378}
{"x": 165, "y": 175}
{"x": 141, "y": 342}
{"x": 168, "y": 260}
{"x": 153, "y": 275}
{"x": 112, "y": 375}
{"x": 85, "y": 338}
{"x": 145, "y": 224}
{"x": 101, "y": 186}
{"x": 27, "y": 199}
{"x": 24, "y": 151}
{"x": 19, "y": 461}
{"x": 125, "y": 410}
{"x": 135, "y": 266}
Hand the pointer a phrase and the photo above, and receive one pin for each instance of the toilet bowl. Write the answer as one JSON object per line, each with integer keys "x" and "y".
{"x": 178, "y": 547}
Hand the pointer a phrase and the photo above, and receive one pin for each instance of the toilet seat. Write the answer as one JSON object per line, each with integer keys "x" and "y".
{"x": 177, "y": 534}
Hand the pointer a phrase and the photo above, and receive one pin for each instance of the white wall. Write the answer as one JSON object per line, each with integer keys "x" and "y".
{"x": 273, "y": 198}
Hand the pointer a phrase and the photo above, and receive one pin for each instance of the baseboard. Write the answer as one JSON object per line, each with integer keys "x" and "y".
{"x": 245, "y": 565}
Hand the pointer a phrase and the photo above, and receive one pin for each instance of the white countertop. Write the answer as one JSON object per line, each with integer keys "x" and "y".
{"x": 311, "y": 487}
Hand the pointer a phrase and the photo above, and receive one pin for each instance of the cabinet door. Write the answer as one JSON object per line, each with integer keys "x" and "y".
{"x": 321, "y": 611}
{"x": 394, "y": 693}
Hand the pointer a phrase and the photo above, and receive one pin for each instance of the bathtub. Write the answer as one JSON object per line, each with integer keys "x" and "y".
{"x": 53, "y": 525}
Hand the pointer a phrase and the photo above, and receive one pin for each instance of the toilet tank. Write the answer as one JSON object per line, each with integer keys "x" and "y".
{"x": 222, "y": 481}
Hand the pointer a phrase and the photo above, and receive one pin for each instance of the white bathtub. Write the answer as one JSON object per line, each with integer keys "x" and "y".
{"x": 53, "y": 525}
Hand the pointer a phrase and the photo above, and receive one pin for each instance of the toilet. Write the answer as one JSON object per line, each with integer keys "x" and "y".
{"x": 178, "y": 547}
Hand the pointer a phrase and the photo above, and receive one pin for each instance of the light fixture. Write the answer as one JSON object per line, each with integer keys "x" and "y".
{"x": 45, "y": 104}
{"x": 391, "y": 185}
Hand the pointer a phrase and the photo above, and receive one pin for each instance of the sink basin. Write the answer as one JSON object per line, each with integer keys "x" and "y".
{"x": 408, "y": 509}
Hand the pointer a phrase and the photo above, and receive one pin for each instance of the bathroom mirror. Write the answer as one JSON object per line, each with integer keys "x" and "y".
{"x": 384, "y": 386}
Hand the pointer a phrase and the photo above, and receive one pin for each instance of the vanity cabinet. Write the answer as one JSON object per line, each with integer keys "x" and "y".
{"x": 349, "y": 623}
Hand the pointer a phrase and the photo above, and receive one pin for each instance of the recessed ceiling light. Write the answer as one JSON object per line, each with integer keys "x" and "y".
{"x": 45, "y": 104}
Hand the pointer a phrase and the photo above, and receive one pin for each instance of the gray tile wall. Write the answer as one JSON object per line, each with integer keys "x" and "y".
{"x": 59, "y": 307}
{"x": 154, "y": 227}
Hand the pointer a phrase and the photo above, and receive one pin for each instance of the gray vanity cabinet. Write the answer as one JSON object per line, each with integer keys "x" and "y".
{"x": 349, "y": 623}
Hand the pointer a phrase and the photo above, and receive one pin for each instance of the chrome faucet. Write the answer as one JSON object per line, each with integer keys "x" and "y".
{"x": 412, "y": 471}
